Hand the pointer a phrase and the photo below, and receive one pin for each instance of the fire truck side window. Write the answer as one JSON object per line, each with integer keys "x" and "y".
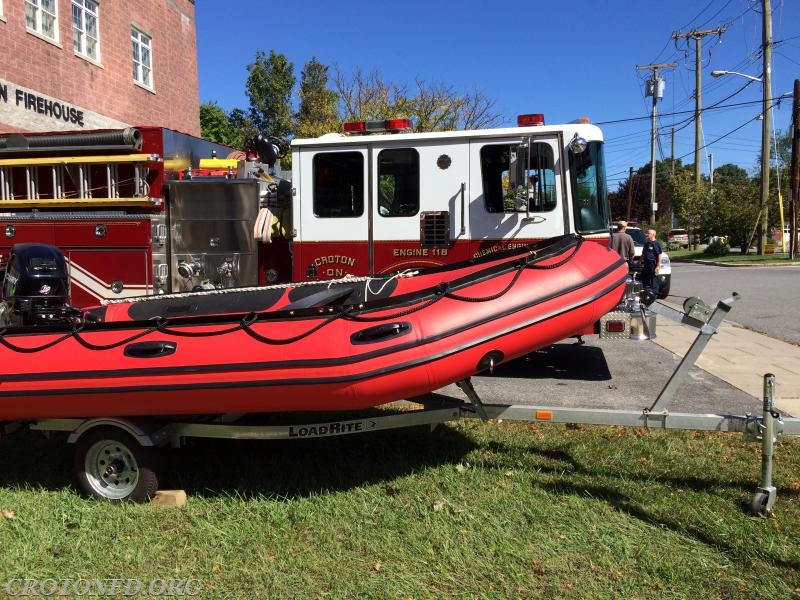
{"x": 513, "y": 181}
{"x": 587, "y": 175}
{"x": 338, "y": 184}
{"x": 398, "y": 182}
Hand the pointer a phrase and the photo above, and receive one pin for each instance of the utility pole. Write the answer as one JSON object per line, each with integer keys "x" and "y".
{"x": 630, "y": 195}
{"x": 697, "y": 36}
{"x": 795, "y": 168}
{"x": 711, "y": 169}
{"x": 655, "y": 88}
{"x": 765, "y": 124}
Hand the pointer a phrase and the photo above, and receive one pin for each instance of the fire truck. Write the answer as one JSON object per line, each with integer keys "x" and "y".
{"x": 148, "y": 210}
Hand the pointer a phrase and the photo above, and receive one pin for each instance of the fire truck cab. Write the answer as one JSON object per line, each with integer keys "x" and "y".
{"x": 148, "y": 210}
{"x": 379, "y": 198}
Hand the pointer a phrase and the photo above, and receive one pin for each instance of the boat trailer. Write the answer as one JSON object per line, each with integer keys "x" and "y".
{"x": 117, "y": 458}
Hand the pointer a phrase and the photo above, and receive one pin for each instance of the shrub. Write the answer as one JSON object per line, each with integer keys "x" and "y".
{"x": 717, "y": 248}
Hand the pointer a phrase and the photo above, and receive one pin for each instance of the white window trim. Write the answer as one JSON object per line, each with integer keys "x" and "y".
{"x": 37, "y": 31}
{"x": 151, "y": 86}
{"x": 82, "y": 53}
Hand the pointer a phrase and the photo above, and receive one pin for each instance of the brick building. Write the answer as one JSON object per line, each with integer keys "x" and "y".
{"x": 93, "y": 64}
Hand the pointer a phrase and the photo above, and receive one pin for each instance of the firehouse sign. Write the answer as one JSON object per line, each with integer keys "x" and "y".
{"x": 28, "y": 109}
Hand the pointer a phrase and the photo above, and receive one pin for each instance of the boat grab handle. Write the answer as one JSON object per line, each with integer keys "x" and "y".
{"x": 380, "y": 333}
{"x": 150, "y": 349}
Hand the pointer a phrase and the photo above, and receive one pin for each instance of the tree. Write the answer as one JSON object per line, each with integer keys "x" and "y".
{"x": 431, "y": 106}
{"x": 318, "y": 104}
{"x": 243, "y": 124}
{"x": 729, "y": 173}
{"x": 691, "y": 201}
{"x": 269, "y": 88}
{"x": 640, "y": 193}
{"x": 367, "y": 96}
{"x": 218, "y": 126}
{"x": 735, "y": 211}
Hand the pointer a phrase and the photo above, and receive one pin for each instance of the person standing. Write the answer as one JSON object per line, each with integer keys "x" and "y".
{"x": 622, "y": 242}
{"x": 651, "y": 261}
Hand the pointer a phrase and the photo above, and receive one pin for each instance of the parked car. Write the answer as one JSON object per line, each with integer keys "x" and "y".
{"x": 679, "y": 236}
{"x": 664, "y": 272}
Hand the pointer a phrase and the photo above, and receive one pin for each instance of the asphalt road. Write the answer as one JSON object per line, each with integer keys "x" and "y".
{"x": 768, "y": 295}
{"x": 629, "y": 375}
{"x": 607, "y": 374}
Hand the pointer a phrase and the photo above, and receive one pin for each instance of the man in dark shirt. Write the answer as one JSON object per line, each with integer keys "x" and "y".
{"x": 622, "y": 242}
{"x": 651, "y": 261}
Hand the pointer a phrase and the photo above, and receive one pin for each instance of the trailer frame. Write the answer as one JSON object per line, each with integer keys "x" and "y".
{"x": 150, "y": 433}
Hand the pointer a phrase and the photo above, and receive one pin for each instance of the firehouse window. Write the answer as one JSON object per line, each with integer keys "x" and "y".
{"x": 141, "y": 45}
{"x": 85, "y": 32}
{"x": 338, "y": 184}
{"x": 516, "y": 180}
{"x": 41, "y": 17}
{"x": 398, "y": 182}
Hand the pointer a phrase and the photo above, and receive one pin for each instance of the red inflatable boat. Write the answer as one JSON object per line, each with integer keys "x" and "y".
{"x": 320, "y": 347}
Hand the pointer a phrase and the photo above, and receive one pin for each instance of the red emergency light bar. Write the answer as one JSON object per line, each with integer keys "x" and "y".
{"x": 385, "y": 126}
{"x": 530, "y": 120}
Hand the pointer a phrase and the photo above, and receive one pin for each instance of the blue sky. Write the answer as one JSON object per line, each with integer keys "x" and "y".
{"x": 566, "y": 60}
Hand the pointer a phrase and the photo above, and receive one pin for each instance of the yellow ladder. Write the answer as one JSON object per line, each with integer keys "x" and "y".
{"x": 45, "y": 181}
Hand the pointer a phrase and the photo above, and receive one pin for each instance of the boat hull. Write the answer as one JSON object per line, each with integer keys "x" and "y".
{"x": 327, "y": 358}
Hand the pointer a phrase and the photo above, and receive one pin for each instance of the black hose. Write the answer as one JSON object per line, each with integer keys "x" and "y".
{"x": 125, "y": 138}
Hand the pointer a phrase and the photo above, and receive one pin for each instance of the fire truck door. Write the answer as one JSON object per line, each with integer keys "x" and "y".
{"x": 334, "y": 216}
{"x": 419, "y": 204}
{"x": 519, "y": 189}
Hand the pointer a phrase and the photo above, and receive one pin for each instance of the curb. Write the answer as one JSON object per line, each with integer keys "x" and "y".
{"x": 742, "y": 264}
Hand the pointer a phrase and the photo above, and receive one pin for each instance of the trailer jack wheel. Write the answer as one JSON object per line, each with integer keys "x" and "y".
{"x": 762, "y": 502}
{"x": 110, "y": 464}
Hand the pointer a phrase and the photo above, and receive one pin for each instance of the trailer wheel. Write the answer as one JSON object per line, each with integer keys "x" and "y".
{"x": 758, "y": 505}
{"x": 110, "y": 464}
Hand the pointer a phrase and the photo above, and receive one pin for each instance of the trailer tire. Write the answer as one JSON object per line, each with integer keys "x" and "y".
{"x": 759, "y": 505}
{"x": 111, "y": 465}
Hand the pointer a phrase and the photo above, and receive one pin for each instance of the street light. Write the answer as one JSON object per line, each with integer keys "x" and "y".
{"x": 721, "y": 73}
{"x": 766, "y": 101}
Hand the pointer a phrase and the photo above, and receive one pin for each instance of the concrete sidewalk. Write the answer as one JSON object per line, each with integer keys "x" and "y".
{"x": 741, "y": 357}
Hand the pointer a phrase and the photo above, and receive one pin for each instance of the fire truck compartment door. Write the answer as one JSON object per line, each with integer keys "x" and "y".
{"x": 211, "y": 232}
{"x": 517, "y": 194}
{"x": 107, "y": 273}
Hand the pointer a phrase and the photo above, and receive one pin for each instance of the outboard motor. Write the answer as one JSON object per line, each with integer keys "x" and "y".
{"x": 36, "y": 287}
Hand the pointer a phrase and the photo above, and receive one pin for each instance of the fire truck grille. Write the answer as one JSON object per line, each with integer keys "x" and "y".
{"x": 434, "y": 229}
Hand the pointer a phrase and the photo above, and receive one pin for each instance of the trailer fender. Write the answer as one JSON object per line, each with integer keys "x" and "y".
{"x": 145, "y": 431}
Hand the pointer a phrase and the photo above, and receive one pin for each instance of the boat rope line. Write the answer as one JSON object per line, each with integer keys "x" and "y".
{"x": 162, "y": 324}
{"x": 23, "y": 350}
{"x": 560, "y": 263}
{"x": 442, "y": 292}
{"x": 339, "y": 379}
{"x": 312, "y": 364}
{"x": 252, "y": 317}
{"x": 253, "y": 289}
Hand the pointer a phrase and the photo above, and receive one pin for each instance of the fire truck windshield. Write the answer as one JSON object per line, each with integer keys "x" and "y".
{"x": 588, "y": 183}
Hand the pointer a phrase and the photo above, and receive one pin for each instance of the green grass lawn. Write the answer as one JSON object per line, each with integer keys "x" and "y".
{"x": 470, "y": 510}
